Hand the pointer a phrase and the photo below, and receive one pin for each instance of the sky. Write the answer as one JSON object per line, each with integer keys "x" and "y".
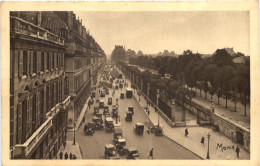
{"x": 153, "y": 32}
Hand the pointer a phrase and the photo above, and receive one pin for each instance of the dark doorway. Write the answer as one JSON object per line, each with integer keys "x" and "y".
{"x": 240, "y": 138}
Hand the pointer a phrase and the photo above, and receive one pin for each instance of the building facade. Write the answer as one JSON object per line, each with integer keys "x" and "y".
{"x": 53, "y": 63}
{"x": 38, "y": 106}
{"x": 83, "y": 58}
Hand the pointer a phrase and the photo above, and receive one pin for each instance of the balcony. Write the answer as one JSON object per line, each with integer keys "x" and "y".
{"x": 20, "y": 26}
{"x": 24, "y": 150}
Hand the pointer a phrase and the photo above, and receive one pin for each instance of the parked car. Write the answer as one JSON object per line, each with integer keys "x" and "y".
{"x": 89, "y": 128}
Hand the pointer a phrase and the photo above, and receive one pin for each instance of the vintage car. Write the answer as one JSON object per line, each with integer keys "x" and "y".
{"x": 101, "y": 104}
{"x": 110, "y": 152}
{"x": 98, "y": 123}
{"x": 157, "y": 130}
{"x": 139, "y": 128}
{"x": 99, "y": 115}
{"x": 120, "y": 85}
{"x": 102, "y": 93}
{"x": 122, "y": 95}
{"x": 131, "y": 109}
{"x": 109, "y": 101}
{"x": 106, "y": 110}
{"x": 129, "y": 92}
{"x": 118, "y": 134}
{"x": 107, "y": 114}
{"x": 97, "y": 100}
{"x": 114, "y": 112}
{"x": 107, "y": 92}
{"x": 116, "y": 87}
{"x": 89, "y": 128}
{"x": 109, "y": 125}
{"x": 128, "y": 116}
{"x": 93, "y": 94}
{"x": 120, "y": 146}
{"x": 96, "y": 109}
{"x": 132, "y": 153}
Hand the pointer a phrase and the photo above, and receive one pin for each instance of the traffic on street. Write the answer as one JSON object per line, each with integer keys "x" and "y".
{"x": 116, "y": 127}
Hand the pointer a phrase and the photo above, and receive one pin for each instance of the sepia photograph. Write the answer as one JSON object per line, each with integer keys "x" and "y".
{"x": 121, "y": 84}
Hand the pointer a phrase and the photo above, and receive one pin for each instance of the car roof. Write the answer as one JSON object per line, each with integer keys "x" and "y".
{"x": 109, "y": 119}
{"x": 109, "y": 146}
{"x": 132, "y": 149}
{"x": 121, "y": 140}
{"x": 139, "y": 124}
{"x": 129, "y": 89}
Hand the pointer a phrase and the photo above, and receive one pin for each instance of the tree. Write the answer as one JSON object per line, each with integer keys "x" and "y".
{"x": 219, "y": 94}
{"x": 205, "y": 88}
{"x": 139, "y": 53}
{"x": 166, "y": 53}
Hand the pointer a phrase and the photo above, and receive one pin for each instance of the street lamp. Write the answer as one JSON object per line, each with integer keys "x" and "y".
{"x": 208, "y": 146}
{"x": 74, "y": 143}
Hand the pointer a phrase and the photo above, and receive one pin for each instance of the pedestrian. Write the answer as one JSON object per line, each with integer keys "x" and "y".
{"x": 71, "y": 157}
{"x": 61, "y": 155}
{"x": 237, "y": 151}
{"x": 186, "y": 132}
{"x": 74, "y": 157}
{"x": 83, "y": 119}
{"x": 148, "y": 112}
{"x": 66, "y": 156}
{"x": 202, "y": 141}
{"x": 151, "y": 154}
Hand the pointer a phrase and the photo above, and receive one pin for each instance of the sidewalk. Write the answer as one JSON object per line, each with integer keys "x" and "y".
{"x": 70, "y": 148}
{"x": 192, "y": 142}
{"x": 237, "y": 117}
{"x": 82, "y": 114}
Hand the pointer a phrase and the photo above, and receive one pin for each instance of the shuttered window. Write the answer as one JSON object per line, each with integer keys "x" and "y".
{"x": 48, "y": 61}
{"x": 42, "y": 61}
{"x": 25, "y": 60}
{"x": 34, "y": 57}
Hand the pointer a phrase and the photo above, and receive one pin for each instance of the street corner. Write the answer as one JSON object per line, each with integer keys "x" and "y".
{"x": 72, "y": 149}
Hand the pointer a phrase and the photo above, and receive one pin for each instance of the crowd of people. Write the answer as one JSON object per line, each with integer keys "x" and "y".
{"x": 68, "y": 156}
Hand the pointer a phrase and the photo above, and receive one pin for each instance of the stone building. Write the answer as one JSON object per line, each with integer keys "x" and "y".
{"x": 83, "y": 58}
{"x": 38, "y": 106}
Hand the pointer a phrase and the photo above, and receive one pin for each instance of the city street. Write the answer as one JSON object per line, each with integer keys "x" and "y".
{"x": 93, "y": 146}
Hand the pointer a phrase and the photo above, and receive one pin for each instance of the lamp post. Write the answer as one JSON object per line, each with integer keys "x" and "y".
{"x": 74, "y": 143}
{"x": 208, "y": 146}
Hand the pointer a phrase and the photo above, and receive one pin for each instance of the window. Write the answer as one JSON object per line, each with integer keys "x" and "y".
{"x": 42, "y": 116}
{"x": 53, "y": 61}
{"x": 25, "y": 60}
{"x": 48, "y": 61}
{"x": 34, "y": 61}
{"x": 51, "y": 96}
{"x": 58, "y": 60}
{"x": 34, "y": 113}
{"x": 24, "y": 120}
{"x": 66, "y": 86}
{"x": 47, "y": 98}
{"x": 42, "y": 61}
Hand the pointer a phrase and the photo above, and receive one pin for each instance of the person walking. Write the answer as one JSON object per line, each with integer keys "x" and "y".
{"x": 237, "y": 151}
{"x": 71, "y": 157}
{"x": 61, "y": 155}
{"x": 151, "y": 154}
{"x": 66, "y": 156}
{"x": 186, "y": 132}
{"x": 148, "y": 112}
{"x": 202, "y": 140}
